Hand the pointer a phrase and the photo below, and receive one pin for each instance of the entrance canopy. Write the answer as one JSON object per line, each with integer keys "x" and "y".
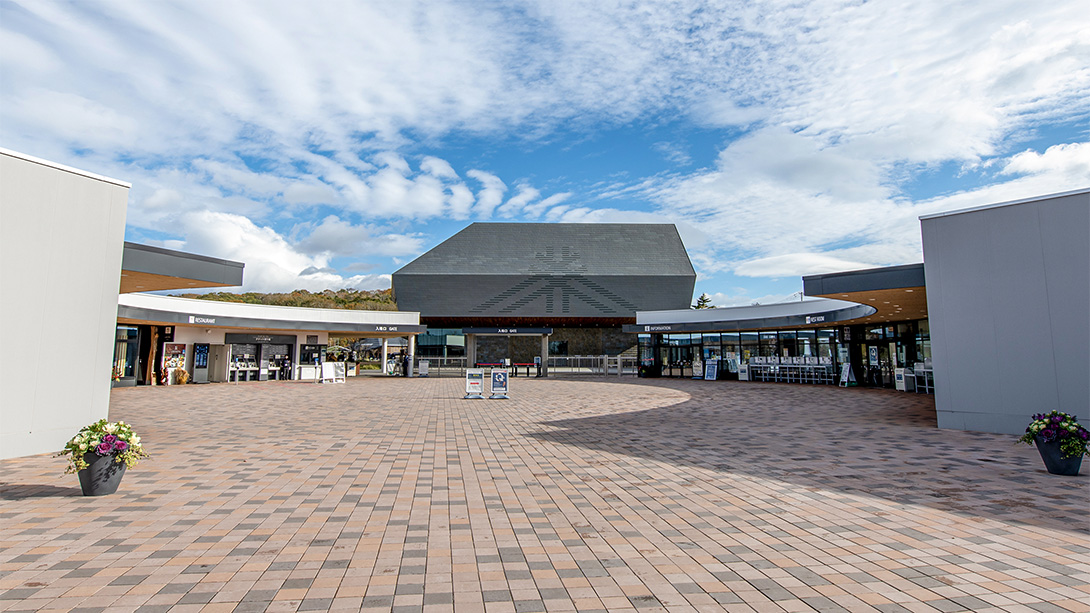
{"x": 896, "y": 292}
{"x": 147, "y": 269}
{"x": 167, "y": 310}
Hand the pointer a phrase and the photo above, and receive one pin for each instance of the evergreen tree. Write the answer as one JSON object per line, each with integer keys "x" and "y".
{"x": 704, "y": 302}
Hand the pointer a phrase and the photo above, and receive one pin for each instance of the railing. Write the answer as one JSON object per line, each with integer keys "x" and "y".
{"x": 441, "y": 367}
{"x": 598, "y": 365}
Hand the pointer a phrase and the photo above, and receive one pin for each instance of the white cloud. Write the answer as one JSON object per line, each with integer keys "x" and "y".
{"x": 491, "y": 194}
{"x": 538, "y": 208}
{"x": 272, "y": 264}
{"x": 517, "y": 203}
{"x": 336, "y": 237}
{"x": 1070, "y": 159}
{"x": 273, "y": 111}
{"x": 795, "y": 265}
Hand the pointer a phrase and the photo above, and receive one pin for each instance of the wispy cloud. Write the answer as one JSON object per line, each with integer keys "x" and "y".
{"x": 308, "y": 129}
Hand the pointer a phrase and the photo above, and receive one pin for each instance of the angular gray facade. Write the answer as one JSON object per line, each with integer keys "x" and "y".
{"x": 1008, "y": 289}
{"x": 520, "y": 272}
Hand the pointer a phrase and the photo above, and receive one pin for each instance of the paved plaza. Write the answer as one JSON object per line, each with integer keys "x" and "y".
{"x": 578, "y": 494}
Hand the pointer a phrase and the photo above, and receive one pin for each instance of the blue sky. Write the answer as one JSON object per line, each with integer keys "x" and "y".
{"x": 327, "y": 144}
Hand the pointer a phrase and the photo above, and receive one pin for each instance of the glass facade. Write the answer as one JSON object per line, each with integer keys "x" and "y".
{"x": 874, "y": 351}
{"x": 126, "y": 345}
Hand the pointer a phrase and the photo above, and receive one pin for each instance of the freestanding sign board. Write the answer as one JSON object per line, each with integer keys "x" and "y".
{"x": 475, "y": 383}
{"x": 711, "y": 370}
{"x": 423, "y": 368}
{"x": 499, "y": 384}
{"x": 847, "y": 378}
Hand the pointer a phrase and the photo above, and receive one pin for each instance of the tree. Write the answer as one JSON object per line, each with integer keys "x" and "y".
{"x": 704, "y": 302}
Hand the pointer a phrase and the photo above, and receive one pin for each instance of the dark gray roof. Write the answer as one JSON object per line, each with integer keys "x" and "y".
{"x": 550, "y": 248}
{"x": 549, "y": 270}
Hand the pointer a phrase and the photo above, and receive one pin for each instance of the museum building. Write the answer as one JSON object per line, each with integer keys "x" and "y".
{"x": 516, "y": 291}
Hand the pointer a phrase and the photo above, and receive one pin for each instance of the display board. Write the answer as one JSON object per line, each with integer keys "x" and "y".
{"x": 499, "y": 384}
{"x": 711, "y": 370}
{"x": 846, "y": 376}
{"x": 475, "y": 383}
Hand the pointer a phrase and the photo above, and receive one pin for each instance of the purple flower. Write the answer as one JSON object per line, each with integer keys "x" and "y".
{"x": 109, "y": 438}
{"x": 120, "y": 445}
{"x": 103, "y": 448}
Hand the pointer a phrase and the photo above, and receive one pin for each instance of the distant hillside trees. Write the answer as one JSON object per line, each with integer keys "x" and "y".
{"x": 349, "y": 299}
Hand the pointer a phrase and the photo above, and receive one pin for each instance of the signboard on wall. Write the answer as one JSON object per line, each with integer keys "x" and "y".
{"x": 872, "y": 356}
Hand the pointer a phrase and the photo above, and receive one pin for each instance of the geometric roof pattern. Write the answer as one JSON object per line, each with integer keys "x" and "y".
{"x": 536, "y": 270}
{"x": 583, "y": 248}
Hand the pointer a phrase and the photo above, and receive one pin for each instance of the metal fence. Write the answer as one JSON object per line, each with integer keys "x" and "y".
{"x": 597, "y": 365}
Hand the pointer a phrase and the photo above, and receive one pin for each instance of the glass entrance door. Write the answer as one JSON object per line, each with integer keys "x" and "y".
{"x": 126, "y": 345}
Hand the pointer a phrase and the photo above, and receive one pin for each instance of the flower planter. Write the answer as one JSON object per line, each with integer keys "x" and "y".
{"x": 1054, "y": 462}
{"x": 102, "y": 475}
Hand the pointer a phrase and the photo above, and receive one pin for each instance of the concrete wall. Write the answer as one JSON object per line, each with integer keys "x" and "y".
{"x": 1008, "y": 289}
{"x": 61, "y": 236}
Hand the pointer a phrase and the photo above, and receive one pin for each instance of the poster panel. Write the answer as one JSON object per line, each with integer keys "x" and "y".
{"x": 711, "y": 370}
{"x": 474, "y": 383}
{"x": 499, "y": 383}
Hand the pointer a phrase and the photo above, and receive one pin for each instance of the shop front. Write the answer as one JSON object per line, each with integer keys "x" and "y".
{"x": 162, "y": 340}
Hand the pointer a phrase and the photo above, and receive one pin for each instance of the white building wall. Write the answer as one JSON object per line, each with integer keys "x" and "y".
{"x": 61, "y": 238}
{"x": 1008, "y": 299}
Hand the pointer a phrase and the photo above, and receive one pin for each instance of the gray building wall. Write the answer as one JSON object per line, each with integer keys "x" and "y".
{"x": 61, "y": 240}
{"x": 1008, "y": 298}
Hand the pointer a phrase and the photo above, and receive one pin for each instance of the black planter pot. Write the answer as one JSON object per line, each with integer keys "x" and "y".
{"x": 1054, "y": 463}
{"x": 102, "y": 475}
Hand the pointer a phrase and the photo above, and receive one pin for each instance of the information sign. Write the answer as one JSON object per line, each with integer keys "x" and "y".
{"x": 499, "y": 384}
{"x": 711, "y": 370}
{"x": 423, "y": 368}
{"x": 872, "y": 355}
{"x": 475, "y": 383}
{"x": 846, "y": 376}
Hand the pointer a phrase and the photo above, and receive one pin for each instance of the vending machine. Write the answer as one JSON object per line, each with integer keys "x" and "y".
{"x": 200, "y": 362}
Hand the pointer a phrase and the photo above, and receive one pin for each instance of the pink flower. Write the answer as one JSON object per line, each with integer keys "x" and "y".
{"x": 109, "y": 438}
{"x": 103, "y": 448}
{"x": 120, "y": 445}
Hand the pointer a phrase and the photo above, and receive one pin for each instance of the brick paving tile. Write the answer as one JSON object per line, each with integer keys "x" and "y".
{"x": 577, "y": 495}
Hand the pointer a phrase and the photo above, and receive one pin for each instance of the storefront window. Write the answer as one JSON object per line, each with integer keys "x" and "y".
{"x": 712, "y": 349}
{"x": 923, "y": 340}
{"x": 769, "y": 344}
{"x": 787, "y": 343}
{"x": 826, "y": 342}
{"x": 125, "y": 348}
{"x": 750, "y": 345}
{"x": 806, "y": 341}
{"x": 558, "y": 347}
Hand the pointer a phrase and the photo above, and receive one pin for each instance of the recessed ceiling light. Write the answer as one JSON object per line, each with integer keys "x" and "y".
{"x": 910, "y": 290}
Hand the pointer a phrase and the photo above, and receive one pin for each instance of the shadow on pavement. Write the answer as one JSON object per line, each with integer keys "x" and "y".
{"x": 874, "y": 442}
